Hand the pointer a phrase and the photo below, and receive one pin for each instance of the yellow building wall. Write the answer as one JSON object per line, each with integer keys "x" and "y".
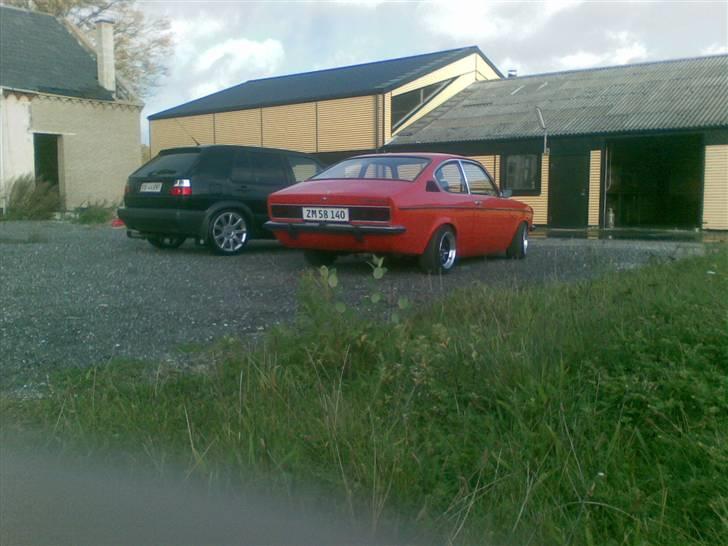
{"x": 241, "y": 127}
{"x": 715, "y": 192}
{"x": 292, "y": 126}
{"x": 175, "y": 132}
{"x": 595, "y": 172}
{"x": 387, "y": 117}
{"x": 347, "y": 124}
{"x": 540, "y": 203}
{"x": 483, "y": 70}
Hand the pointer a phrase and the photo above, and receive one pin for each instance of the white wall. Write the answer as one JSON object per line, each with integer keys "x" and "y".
{"x": 16, "y": 141}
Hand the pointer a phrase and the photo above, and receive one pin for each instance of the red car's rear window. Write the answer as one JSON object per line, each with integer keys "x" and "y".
{"x": 405, "y": 168}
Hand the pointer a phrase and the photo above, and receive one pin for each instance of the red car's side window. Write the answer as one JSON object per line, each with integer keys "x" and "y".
{"x": 450, "y": 178}
{"x": 478, "y": 180}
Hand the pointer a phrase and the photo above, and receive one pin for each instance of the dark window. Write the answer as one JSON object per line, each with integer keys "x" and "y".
{"x": 175, "y": 164}
{"x": 478, "y": 180}
{"x": 521, "y": 174}
{"x": 216, "y": 163}
{"x": 303, "y": 167}
{"x": 269, "y": 169}
{"x": 242, "y": 171}
{"x": 406, "y": 104}
{"x": 450, "y": 178}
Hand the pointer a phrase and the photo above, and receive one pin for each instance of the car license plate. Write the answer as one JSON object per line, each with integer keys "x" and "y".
{"x": 151, "y": 187}
{"x": 325, "y": 214}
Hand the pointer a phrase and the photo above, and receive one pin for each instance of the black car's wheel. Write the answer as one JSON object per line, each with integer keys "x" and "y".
{"x": 441, "y": 252}
{"x": 518, "y": 248}
{"x": 228, "y": 232}
{"x": 317, "y": 258}
{"x": 166, "y": 242}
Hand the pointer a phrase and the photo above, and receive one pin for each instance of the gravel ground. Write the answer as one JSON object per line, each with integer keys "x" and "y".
{"x": 78, "y": 295}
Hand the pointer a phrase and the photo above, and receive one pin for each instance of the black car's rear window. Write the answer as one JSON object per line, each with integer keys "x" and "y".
{"x": 175, "y": 164}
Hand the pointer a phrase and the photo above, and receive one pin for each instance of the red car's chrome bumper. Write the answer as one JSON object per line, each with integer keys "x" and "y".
{"x": 358, "y": 231}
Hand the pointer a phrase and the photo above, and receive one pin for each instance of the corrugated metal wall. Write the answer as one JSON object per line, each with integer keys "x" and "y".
{"x": 595, "y": 171}
{"x": 715, "y": 192}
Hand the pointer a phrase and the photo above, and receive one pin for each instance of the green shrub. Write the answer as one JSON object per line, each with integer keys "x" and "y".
{"x": 31, "y": 199}
{"x": 95, "y": 213}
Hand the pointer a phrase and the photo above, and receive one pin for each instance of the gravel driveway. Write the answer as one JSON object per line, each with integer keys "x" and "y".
{"x": 77, "y": 295}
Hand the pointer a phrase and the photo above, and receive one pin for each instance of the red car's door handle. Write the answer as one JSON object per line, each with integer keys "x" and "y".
{"x": 477, "y": 203}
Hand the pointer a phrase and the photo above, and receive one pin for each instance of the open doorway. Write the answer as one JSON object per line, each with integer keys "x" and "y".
{"x": 46, "y": 158}
{"x": 654, "y": 182}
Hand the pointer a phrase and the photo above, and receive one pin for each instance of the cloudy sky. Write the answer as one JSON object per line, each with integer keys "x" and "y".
{"x": 225, "y": 42}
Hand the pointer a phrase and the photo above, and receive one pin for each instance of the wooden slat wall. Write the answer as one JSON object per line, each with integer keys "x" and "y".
{"x": 715, "y": 192}
{"x": 172, "y": 133}
{"x": 595, "y": 171}
{"x": 292, "y": 126}
{"x": 347, "y": 124}
{"x": 387, "y": 117}
{"x": 241, "y": 127}
{"x": 540, "y": 203}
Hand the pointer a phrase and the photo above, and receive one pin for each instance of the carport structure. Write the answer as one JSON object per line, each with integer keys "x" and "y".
{"x": 635, "y": 146}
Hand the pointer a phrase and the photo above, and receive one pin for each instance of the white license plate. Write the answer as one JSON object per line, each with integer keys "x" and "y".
{"x": 325, "y": 214}
{"x": 151, "y": 187}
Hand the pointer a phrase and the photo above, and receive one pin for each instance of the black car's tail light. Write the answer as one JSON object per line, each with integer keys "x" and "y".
{"x": 181, "y": 186}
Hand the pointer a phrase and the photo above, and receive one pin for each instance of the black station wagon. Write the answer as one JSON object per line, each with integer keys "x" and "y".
{"x": 215, "y": 195}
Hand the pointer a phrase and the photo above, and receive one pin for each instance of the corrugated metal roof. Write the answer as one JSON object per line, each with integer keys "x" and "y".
{"x": 38, "y": 53}
{"x": 679, "y": 94}
{"x": 347, "y": 81}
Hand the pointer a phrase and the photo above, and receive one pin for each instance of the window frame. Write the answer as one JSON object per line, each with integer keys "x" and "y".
{"x": 536, "y": 191}
{"x": 427, "y": 161}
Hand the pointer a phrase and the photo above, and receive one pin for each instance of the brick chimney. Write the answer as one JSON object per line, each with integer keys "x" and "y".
{"x": 105, "y": 54}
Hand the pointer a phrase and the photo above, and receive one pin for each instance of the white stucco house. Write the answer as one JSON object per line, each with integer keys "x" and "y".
{"x": 65, "y": 116}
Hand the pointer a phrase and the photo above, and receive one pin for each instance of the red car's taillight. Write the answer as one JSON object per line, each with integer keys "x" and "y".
{"x": 181, "y": 187}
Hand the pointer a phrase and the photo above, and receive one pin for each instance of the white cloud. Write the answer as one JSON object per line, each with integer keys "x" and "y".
{"x": 714, "y": 49}
{"x": 233, "y": 61}
{"x": 625, "y": 48}
{"x": 476, "y": 20}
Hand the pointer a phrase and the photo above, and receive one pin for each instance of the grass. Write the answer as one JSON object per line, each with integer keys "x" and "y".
{"x": 95, "y": 213}
{"x": 31, "y": 199}
{"x": 591, "y": 413}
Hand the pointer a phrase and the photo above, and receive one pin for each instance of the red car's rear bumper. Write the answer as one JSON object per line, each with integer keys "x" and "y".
{"x": 344, "y": 237}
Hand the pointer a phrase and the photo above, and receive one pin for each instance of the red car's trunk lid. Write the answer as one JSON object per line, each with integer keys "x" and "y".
{"x": 341, "y": 192}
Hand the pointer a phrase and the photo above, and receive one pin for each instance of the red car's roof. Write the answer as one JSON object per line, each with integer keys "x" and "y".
{"x": 427, "y": 155}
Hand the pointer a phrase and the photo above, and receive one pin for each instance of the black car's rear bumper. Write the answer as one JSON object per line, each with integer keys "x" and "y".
{"x": 294, "y": 228}
{"x": 163, "y": 221}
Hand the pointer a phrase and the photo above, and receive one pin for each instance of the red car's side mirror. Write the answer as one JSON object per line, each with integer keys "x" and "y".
{"x": 432, "y": 186}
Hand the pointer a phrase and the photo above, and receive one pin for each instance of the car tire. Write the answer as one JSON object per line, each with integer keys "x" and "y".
{"x": 227, "y": 233}
{"x": 317, "y": 258}
{"x": 441, "y": 252}
{"x": 166, "y": 242}
{"x": 518, "y": 248}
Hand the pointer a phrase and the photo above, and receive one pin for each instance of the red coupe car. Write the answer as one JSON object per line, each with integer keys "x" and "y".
{"x": 436, "y": 206}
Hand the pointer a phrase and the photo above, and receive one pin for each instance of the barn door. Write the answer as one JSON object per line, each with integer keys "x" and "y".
{"x": 568, "y": 191}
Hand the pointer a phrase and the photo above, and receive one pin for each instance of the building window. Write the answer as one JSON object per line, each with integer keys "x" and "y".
{"x": 406, "y": 104}
{"x": 521, "y": 174}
